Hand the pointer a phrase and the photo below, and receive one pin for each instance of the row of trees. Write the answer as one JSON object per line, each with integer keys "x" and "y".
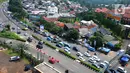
{"x": 71, "y": 34}
{"x": 16, "y": 7}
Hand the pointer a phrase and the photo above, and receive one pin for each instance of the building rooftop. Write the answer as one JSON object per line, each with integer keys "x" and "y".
{"x": 45, "y": 68}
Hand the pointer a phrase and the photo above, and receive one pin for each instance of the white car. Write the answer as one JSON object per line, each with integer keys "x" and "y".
{"x": 91, "y": 60}
{"x": 103, "y": 65}
{"x": 79, "y": 54}
{"x": 68, "y": 51}
{"x": 121, "y": 70}
{"x": 96, "y": 58}
{"x": 81, "y": 58}
{"x": 87, "y": 54}
{"x": 25, "y": 34}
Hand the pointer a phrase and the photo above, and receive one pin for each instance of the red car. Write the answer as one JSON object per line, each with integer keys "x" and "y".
{"x": 53, "y": 60}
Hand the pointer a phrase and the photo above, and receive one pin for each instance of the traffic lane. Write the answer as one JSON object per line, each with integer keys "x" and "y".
{"x": 66, "y": 62}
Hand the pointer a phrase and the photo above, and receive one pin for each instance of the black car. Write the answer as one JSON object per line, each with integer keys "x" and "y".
{"x": 75, "y": 49}
{"x": 18, "y": 32}
{"x": 29, "y": 39}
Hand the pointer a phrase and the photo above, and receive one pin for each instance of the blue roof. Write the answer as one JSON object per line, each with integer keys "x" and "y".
{"x": 110, "y": 44}
{"x": 126, "y": 59}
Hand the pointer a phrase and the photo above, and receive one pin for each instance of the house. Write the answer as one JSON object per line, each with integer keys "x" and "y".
{"x": 104, "y": 31}
{"x": 50, "y": 19}
{"x": 126, "y": 17}
{"x": 101, "y": 10}
{"x": 86, "y": 23}
{"x": 68, "y": 26}
{"x": 60, "y": 24}
{"x": 52, "y": 10}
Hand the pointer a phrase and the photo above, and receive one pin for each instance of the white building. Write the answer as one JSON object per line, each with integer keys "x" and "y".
{"x": 52, "y": 9}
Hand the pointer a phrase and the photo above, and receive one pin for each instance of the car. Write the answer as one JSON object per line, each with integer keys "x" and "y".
{"x": 67, "y": 48}
{"x": 66, "y": 44}
{"x": 13, "y": 28}
{"x": 68, "y": 51}
{"x": 106, "y": 62}
{"x": 14, "y": 58}
{"x": 18, "y": 32}
{"x": 96, "y": 65}
{"x": 121, "y": 70}
{"x": 91, "y": 60}
{"x": 75, "y": 49}
{"x": 96, "y": 58}
{"x": 103, "y": 65}
{"x": 29, "y": 39}
{"x": 49, "y": 38}
{"x": 18, "y": 28}
{"x": 45, "y": 34}
{"x": 87, "y": 54}
{"x": 113, "y": 71}
{"x": 52, "y": 60}
{"x": 25, "y": 34}
{"x": 55, "y": 40}
{"x": 79, "y": 54}
{"x": 91, "y": 49}
{"x": 81, "y": 58}
{"x": 25, "y": 29}
{"x": 60, "y": 44}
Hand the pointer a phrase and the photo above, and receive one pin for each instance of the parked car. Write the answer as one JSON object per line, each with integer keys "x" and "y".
{"x": 79, "y": 54}
{"x": 91, "y": 60}
{"x": 113, "y": 71}
{"x": 81, "y": 58}
{"x": 14, "y": 58}
{"x": 60, "y": 44}
{"x": 121, "y": 70}
{"x": 45, "y": 34}
{"x": 67, "y": 45}
{"x": 103, "y": 65}
{"x": 67, "y": 50}
{"x": 91, "y": 49}
{"x": 96, "y": 65}
{"x": 55, "y": 40}
{"x": 49, "y": 38}
{"x": 96, "y": 58}
{"x": 18, "y": 32}
{"x": 87, "y": 54}
{"x": 25, "y": 34}
{"x": 75, "y": 49}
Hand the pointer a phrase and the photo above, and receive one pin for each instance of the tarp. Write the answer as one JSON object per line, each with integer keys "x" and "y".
{"x": 126, "y": 59}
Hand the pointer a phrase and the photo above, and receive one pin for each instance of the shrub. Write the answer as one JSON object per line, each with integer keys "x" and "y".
{"x": 36, "y": 37}
{"x": 89, "y": 65}
{"x": 68, "y": 55}
{"x": 117, "y": 47}
{"x": 53, "y": 47}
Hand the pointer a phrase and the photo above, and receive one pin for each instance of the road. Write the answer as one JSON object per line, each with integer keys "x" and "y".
{"x": 65, "y": 63}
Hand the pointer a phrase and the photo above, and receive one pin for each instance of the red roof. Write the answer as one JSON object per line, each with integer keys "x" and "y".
{"x": 60, "y": 24}
{"x": 126, "y": 15}
{"x": 72, "y": 12}
{"x": 103, "y": 10}
{"x": 50, "y": 19}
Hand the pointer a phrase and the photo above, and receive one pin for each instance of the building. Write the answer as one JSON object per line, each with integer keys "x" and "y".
{"x": 45, "y": 68}
{"x": 52, "y": 10}
{"x": 126, "y": 17}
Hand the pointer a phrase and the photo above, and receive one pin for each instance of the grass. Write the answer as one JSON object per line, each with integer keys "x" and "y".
{"x": 10, "y": 53}
{"x": 11, "y": 35}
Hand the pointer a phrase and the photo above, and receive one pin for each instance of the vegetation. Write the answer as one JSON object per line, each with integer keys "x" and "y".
{"x": 1, "y": 1}
{"x": 72, "y": 34}
{"x": 11, "y": 35}
{"x": 36, "y": 38}
{"x": 16, "y": 7}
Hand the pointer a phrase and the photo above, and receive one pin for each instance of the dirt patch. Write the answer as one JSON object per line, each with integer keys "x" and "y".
{"x": 11, "y": 67}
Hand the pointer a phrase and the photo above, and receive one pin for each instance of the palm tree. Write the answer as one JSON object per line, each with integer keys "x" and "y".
{"x": 21, "y": 47}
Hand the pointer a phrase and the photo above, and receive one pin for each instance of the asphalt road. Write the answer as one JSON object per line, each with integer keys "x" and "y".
{"x": 65, "y": 62}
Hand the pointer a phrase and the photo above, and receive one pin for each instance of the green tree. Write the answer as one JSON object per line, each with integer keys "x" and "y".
{"x": 7, "y": 27}
{"x": 56, "y": 30}
{"x": 72, "y": 34}
{"x": 20, "y": 48}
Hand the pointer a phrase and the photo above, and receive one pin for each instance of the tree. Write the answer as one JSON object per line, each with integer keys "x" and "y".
{"x": 56, "y": 30}
{"x": 72, "y": 34}
{"x": 20, "y": 48}
{"x": 7, "y": 27}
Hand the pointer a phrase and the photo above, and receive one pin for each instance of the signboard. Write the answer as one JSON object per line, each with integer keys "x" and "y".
{"x": 41, "y": 28}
